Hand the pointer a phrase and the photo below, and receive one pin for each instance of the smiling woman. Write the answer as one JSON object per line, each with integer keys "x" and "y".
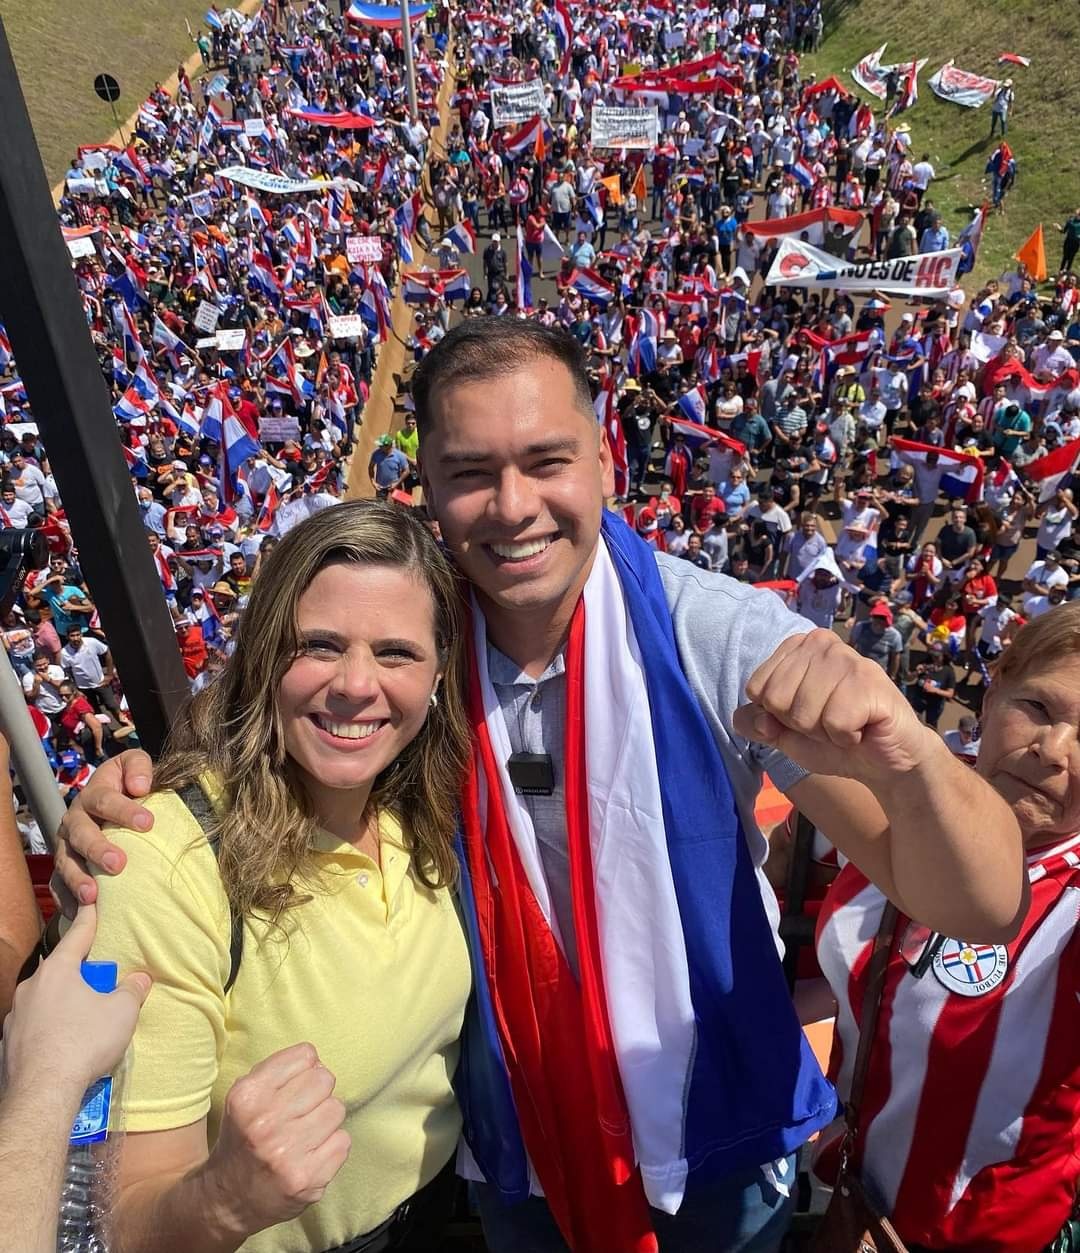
{"x": 293, "y": 1088}
{"x": 968, "y": 1129}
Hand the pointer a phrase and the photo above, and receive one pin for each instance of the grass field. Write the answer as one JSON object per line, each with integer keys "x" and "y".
{"x": 60, "y": 46}
{"x": 1042, "y": 123}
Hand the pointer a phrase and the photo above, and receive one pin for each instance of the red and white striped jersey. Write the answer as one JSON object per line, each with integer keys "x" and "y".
{"x": 970, "y": 1124}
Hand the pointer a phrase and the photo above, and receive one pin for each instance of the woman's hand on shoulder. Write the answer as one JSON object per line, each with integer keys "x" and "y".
{"x": 110, "y": 796}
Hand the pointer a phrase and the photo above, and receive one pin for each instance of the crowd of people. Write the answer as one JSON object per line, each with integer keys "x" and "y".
{"x": 754, "y": 425}
{"x": 212, "y": 304}
{"x": 373, "y": 763}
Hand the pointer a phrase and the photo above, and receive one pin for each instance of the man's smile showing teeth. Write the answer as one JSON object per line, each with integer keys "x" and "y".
{"x": 518, "y": 552}
{"x": 347, "y": 730}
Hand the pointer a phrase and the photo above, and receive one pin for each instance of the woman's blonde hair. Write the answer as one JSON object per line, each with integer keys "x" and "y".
{"x": 232, "y": 730}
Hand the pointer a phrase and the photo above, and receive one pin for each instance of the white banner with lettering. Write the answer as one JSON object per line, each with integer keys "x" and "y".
{"x": 360, "y": 248}
{"x": 618, "y": 127}
{"x": 514, "y": 103}
{"x": 278, "y": 184}
{"x": 962, "y": 87}
{"x": 873, "y": 77}
{"x": 346, "y": 326}
{"x": 926, "y": 274}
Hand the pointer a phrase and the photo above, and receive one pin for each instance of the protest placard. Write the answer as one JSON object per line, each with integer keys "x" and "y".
{"x": 278, "y": 430}
{"x": 254, "y": 127}
{"x": 231, "y": 340}
{"x": 81, "y": 247}
{"x": 347, "y": 326}
{"x": 361, "y": 248}
{"x": 202, "y": 204}
{"x": 206, "y": 317}
{"x": 618, "y": 127}
{"x": 514, "y": 103}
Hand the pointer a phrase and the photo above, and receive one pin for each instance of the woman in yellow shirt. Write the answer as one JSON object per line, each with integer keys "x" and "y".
{"x": 291, "y": 1085}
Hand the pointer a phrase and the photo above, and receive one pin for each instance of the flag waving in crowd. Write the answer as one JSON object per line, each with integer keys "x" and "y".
{"x": 812, "y": 443}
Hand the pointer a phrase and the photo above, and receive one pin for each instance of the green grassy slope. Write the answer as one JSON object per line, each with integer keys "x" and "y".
{"x": 60, "y": 45}
{"x": 1043, "y": 121}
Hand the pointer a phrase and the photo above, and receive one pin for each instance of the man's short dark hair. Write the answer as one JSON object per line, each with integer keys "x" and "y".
{"x": 484, "y": 348}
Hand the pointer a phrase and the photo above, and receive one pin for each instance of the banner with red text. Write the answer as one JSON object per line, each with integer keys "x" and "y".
{"x": 927, "y": 274}
{"x": 961, "y": 87}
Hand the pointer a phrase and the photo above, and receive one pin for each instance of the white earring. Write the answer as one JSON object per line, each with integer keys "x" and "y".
{"x": 434, "y": 700}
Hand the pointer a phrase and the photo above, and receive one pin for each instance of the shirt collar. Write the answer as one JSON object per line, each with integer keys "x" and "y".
{"x": 505, "y": 672}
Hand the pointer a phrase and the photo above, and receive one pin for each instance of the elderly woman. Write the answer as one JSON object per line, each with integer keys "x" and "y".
{"x": 968, "y": 1129}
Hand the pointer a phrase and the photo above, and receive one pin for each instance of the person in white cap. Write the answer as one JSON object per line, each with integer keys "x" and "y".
{"x": 1052, "y": 357}
{"x": 999, "y": 111}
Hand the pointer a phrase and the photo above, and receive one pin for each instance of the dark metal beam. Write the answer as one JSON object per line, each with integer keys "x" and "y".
{"x": 42, "y": 310}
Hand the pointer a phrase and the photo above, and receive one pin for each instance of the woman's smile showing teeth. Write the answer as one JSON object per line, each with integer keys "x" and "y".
{"x": 347, "y": 730}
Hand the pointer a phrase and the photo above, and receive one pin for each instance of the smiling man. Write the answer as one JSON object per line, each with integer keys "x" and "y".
{"x": 625, "y": 705}
{"x": 633, "y": 1055}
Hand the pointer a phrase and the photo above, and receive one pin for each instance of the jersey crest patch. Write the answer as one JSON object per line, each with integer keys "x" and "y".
{"x": 970, "y": 969}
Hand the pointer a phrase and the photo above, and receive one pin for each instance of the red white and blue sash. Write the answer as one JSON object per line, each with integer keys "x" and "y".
{"x": 679, "y": 1049}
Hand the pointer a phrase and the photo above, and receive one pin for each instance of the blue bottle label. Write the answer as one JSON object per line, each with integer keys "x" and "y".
{"x": 92, "y": 1120}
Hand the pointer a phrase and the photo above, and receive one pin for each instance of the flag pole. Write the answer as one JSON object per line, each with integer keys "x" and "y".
{"x": 410, "y": 72}
{"x": 43, "y": 314}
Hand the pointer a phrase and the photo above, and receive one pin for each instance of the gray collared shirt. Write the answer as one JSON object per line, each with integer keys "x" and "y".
{"x": 723, "y": 630}
{"x": 535, "y": 714}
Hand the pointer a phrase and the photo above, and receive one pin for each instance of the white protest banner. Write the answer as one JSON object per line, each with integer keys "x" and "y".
{"x": 962, "y": 87}
{"x": 278, "y": 430}
{"x": 81, "y": 247}
{"x": 278, "y": 184}
{"x": 87, "y": 187}
{"x": 871, "y": 75}
{"x": 867, "y": 73}
{"x": 254, "y": 127}
{"x": 202, "y": 204}
{"x": 926, "y": 274}
{"x": 361, "y": 248}
{"x": 675, "y": 39}
{"x": 514, "y": 103}
{"x": 95, "y": 160}
{"x": 619, "y": 127}
{"x": 206, "y": 317}
{"x": 756, "y": 11}
{"x": 231, "y": 340}
{"x": 217, "y": 86}
{"x": 347, "y": 326}
{"x": 209, "y": 341}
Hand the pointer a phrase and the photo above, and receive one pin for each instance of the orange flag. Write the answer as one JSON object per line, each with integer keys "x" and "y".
{"x": 614, "y": 188}
{"x": 639, "y": 184}
{"x": 1033, "y": 255}
{"x": 538, "y": 148}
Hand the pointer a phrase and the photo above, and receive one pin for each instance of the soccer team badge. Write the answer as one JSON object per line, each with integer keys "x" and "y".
{"x": 970, "y": 969}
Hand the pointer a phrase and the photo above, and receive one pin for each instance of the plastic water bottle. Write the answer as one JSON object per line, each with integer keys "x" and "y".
{"x": 86, "y": 1200}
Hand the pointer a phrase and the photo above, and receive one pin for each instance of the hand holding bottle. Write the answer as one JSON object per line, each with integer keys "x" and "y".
{"x": 60, "y": 1031}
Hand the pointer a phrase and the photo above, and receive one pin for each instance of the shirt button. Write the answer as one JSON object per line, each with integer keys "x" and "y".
{"x": 362, "y": 879}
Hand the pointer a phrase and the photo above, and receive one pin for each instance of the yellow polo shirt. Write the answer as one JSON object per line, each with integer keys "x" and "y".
{"x": 374, "y": 974}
